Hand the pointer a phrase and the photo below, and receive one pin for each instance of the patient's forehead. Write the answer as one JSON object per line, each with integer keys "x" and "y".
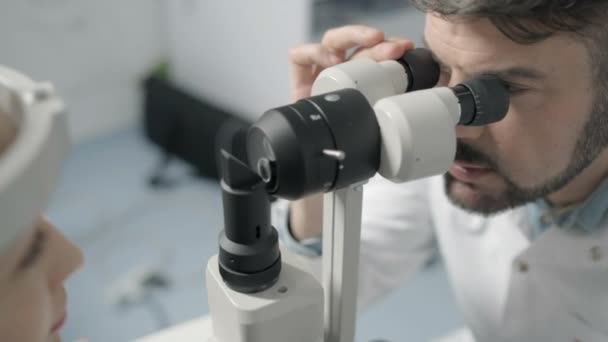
{"x": 8, "y": 131}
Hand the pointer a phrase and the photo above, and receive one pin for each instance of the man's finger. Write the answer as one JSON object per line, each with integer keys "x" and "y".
{"x": 346, "y": 37}
{"x": 313, "y": 54}
{"x": 386, "y": 50}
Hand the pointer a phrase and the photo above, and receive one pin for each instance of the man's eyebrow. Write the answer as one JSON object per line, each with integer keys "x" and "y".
{"x": 514, "y": 73}
{"x": 508, "y": 73}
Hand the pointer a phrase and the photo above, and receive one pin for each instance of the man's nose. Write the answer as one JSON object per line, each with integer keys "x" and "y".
{"x": 469, "y": 132}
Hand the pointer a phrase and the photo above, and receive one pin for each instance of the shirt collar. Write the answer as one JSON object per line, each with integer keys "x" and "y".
{"x": 585, "y": 217}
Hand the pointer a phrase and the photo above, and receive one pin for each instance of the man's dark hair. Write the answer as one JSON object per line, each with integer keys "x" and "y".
{"x": 530, "y": 21}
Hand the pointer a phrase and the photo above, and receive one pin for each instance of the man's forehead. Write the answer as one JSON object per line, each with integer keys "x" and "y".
{"x": 467, "y": 34}
{"x": 477, "y": 47}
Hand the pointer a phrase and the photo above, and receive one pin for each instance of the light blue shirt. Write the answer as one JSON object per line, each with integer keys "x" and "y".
{"x": 586, "y": 217}
{"x": 280, "y": 220}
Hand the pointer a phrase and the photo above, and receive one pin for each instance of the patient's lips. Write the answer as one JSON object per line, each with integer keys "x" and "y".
{"x": 59, "y": 324}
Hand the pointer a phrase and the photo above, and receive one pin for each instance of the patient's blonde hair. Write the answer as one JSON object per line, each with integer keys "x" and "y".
{"x": 8, "y": 131}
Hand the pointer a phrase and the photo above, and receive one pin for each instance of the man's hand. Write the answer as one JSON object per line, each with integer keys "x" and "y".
{"x": 305, "y": 63}
{"x": 308, "y": 60}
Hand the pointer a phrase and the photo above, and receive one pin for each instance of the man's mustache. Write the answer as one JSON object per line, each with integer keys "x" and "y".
{"x": 468, "y": 154}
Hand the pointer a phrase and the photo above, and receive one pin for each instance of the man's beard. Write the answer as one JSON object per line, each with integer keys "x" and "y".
{"x": 590, "y": 144}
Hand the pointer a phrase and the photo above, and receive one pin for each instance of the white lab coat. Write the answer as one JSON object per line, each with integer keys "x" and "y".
{"x": 508, "y": 288}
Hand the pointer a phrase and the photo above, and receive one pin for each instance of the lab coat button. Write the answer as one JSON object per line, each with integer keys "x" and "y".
{"x": 522, "y": 266}
{"x": 596, "y": 253}
{"x": 475, "y": 224}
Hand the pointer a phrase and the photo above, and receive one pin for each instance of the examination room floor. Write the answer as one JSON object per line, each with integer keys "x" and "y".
{"x": 163, "y": 237}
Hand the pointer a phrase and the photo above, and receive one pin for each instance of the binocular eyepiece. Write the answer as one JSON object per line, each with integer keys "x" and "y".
{"x": 325, "y": 142}
{"x": 339, "y": 138}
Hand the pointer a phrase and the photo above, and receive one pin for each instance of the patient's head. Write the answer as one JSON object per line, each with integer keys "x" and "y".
{"x": 33, "y": 268}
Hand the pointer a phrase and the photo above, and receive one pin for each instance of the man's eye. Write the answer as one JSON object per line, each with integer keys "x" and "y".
{"x": 515, "y": 89}
{"x": 444, "y": 72}
{"x": 444, "y": 78}
{"x": 34, "y": 251}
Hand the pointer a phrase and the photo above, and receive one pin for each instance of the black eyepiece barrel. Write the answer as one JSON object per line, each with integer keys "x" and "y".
{"x": 483, "y": 100}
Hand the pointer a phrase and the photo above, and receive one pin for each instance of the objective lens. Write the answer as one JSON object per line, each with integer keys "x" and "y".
{"x": 265, "y": 170}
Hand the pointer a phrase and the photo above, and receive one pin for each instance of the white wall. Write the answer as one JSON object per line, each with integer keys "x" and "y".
{"x": 233, "y": 53}
{"x": 94, "y": 51}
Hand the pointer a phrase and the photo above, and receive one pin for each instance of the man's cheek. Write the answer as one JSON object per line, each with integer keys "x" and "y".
{"x": 516, "y": 154}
